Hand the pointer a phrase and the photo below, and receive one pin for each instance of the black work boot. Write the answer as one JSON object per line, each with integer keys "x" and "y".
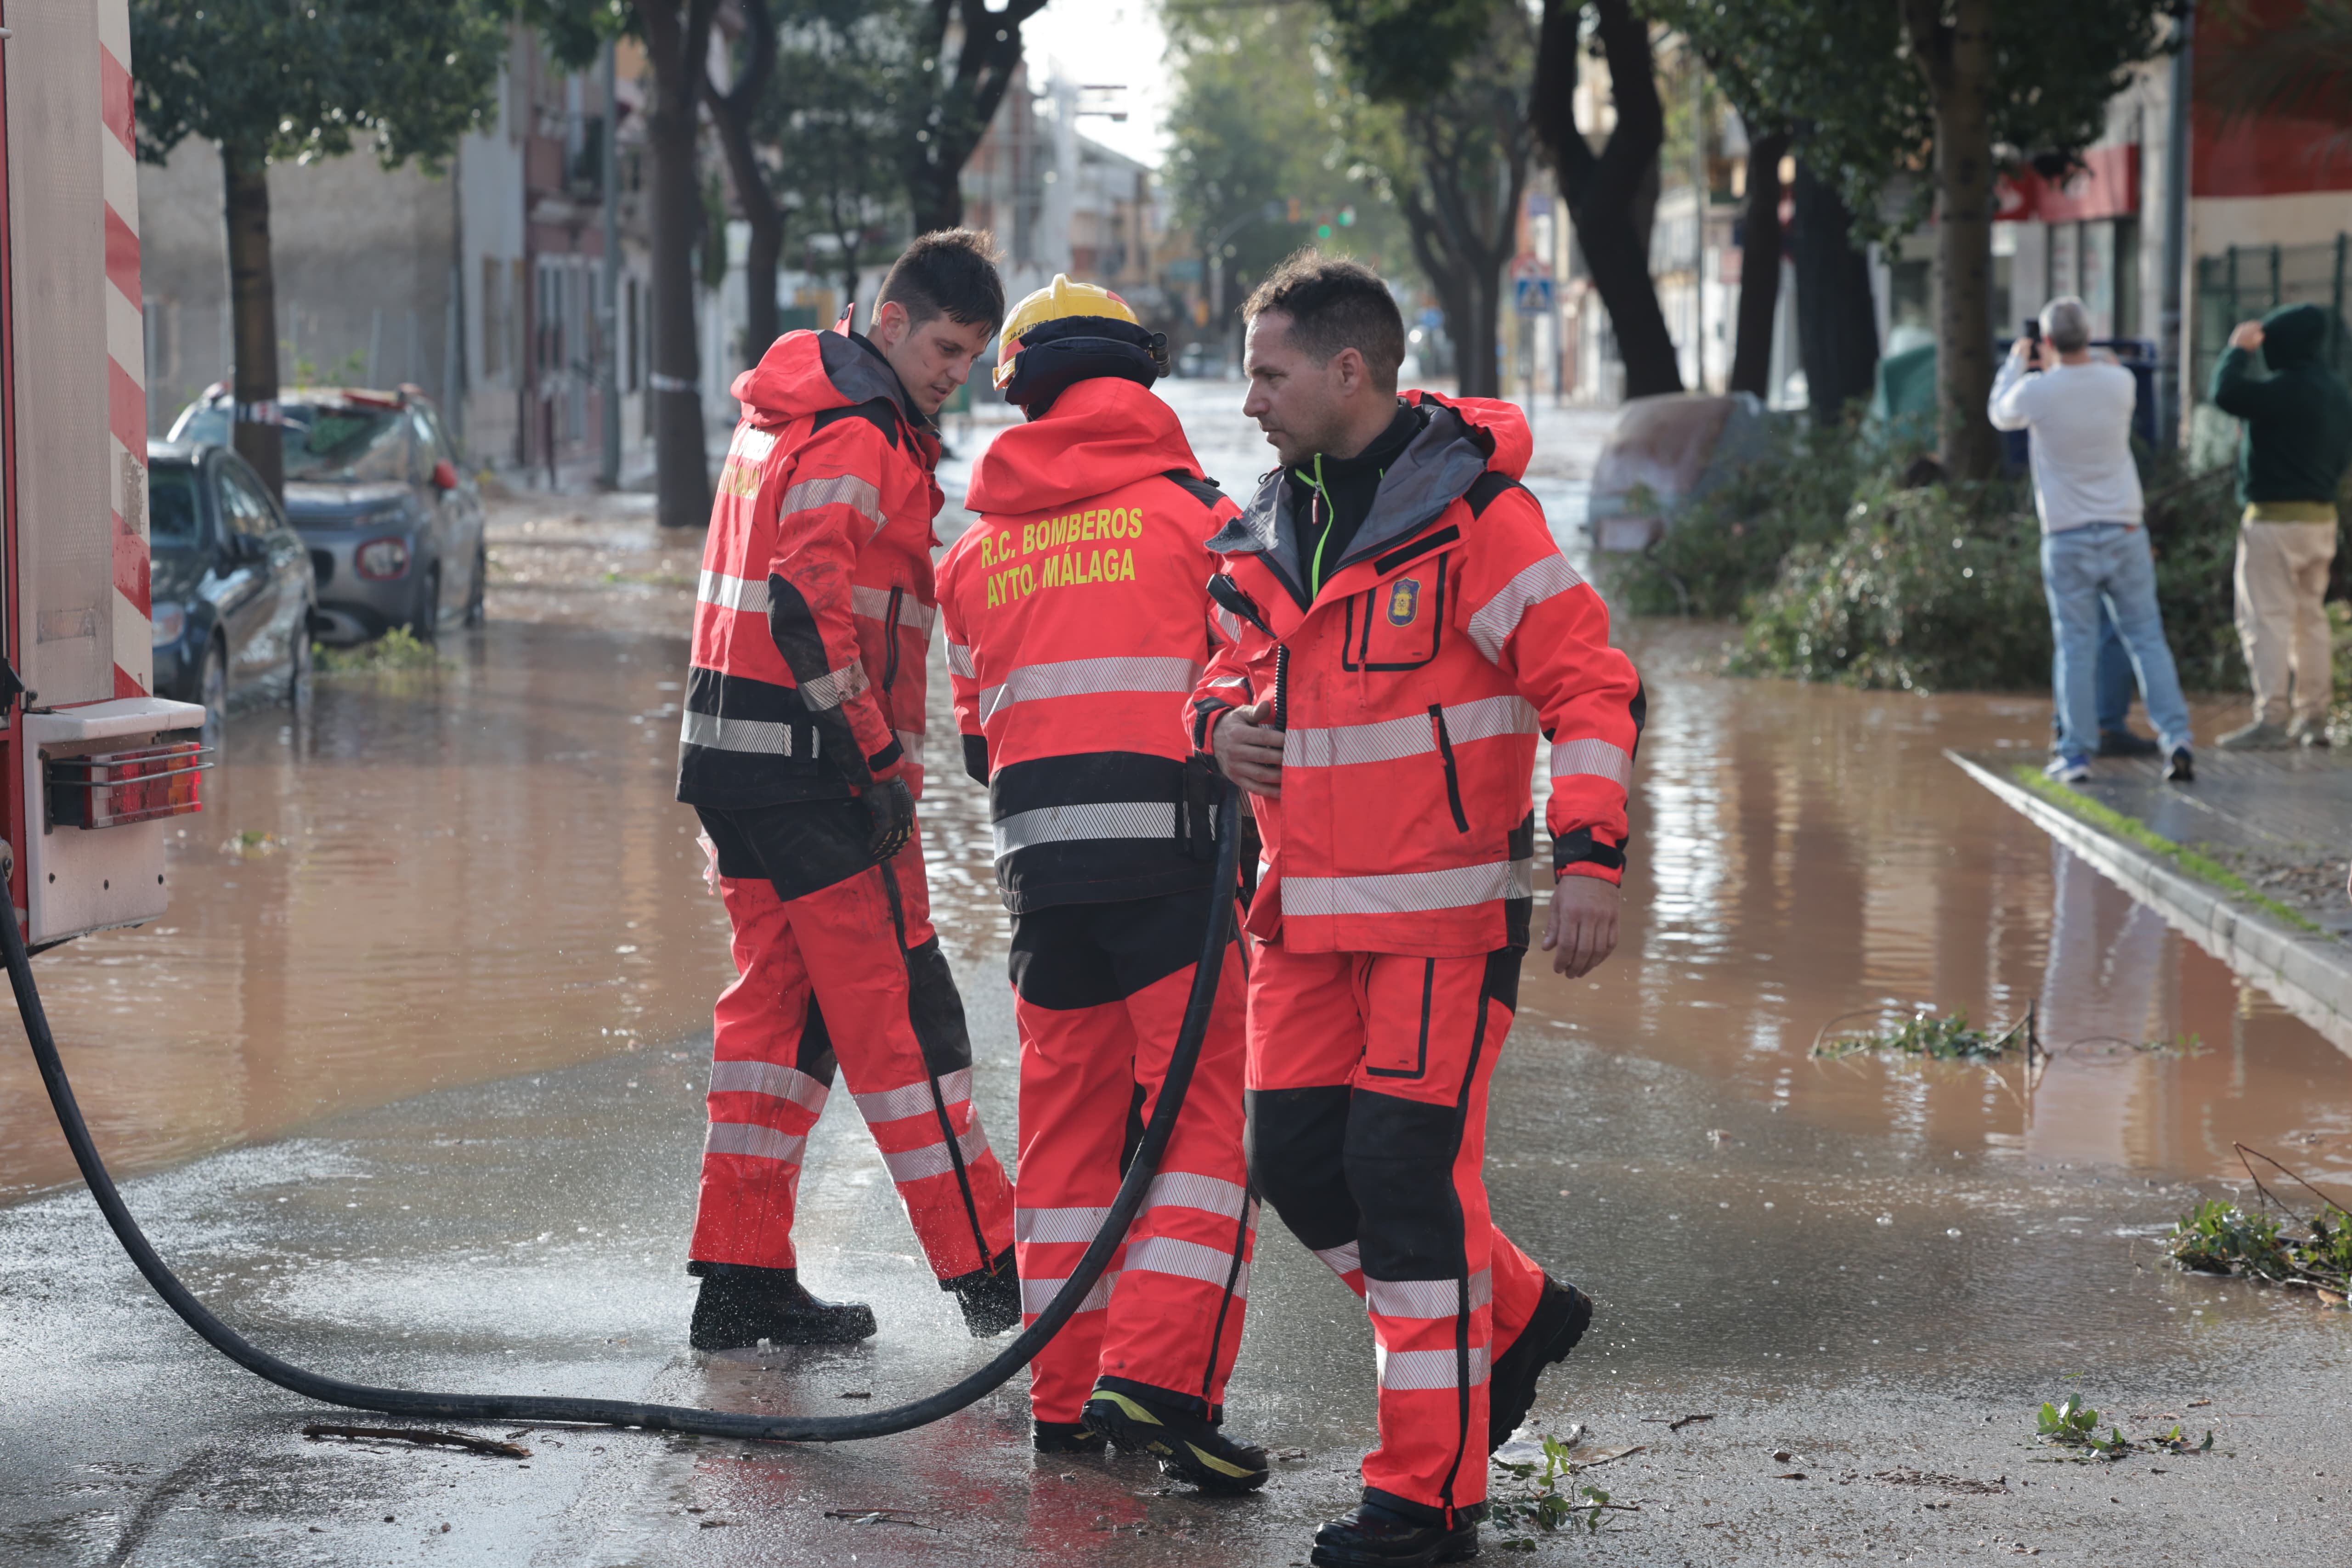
{"x": 2127, "y": 742}
{"x": 1562, "y": 1314}
{"x": 1187, "y": 1444}
{"x": 1065, "y": 1438}
{"x": 741, "y": 1305}
{"x": 1373, "y": 1535}
{"x": 990, "y": 1296}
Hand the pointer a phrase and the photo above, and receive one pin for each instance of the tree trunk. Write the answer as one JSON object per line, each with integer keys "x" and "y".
{"x": 1759, "y": 264}
{"x": 253, "y": 306}
{"x": 1481, "y": 375}
{"x": 1956, "y": 60}
{"x": 1837, "y": 320}
{"x": 677, "y": 39}
{"x": 988, "y": 50}
{"x": 1602, "y": 191}
{"x": 731, "y": 112}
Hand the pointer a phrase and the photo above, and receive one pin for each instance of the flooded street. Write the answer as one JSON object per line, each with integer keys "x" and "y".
{"x": 433, "y": 1001}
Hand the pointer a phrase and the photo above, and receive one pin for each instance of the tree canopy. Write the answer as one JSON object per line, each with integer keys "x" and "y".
{"x": 273, "y": 82}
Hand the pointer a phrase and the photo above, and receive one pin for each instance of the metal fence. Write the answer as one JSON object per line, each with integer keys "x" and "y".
{"x": 2247, "y": 279}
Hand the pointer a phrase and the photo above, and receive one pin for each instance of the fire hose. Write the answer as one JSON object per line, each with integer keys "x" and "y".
{"x": 625, "y": 1412}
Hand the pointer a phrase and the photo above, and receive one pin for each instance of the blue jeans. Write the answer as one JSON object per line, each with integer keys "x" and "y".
{"x": 2082, "y": 569}
{"x": 2115, "y": 679}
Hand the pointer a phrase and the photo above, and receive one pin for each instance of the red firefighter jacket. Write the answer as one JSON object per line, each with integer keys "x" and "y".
{"x": 1077, "y": 615}
{"x": 814, "y": 607}
{"x": 1412, "y": 690}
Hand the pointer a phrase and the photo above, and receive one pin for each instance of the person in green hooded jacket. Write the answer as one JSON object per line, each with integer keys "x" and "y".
{"x": 2291, "y": 459}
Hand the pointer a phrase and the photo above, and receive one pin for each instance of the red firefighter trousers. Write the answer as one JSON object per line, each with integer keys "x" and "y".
{"x": 1368, "y": 1077}
{"x": 826, "y": 974}
{"x": 1100, "y": 994}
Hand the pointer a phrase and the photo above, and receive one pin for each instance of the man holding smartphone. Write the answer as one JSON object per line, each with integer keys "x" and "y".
{"x": 2077, "y": 414}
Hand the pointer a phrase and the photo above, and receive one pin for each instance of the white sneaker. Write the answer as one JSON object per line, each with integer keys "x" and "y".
{"x": 2067, "y": 770}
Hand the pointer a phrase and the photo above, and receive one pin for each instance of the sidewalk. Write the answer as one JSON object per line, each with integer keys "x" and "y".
{"x": 2249, "y": 862}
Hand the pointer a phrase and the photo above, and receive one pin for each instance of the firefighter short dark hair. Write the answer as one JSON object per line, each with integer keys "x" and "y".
{"x": 948, "y": 272}
{"x": 1335, "y": 304}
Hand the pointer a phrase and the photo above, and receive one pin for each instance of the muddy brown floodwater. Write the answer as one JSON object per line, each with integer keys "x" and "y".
{"x": 446, "y": 877}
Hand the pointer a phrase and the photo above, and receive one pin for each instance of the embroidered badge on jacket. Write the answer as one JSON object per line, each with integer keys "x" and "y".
{"x": 1405, "y": 602}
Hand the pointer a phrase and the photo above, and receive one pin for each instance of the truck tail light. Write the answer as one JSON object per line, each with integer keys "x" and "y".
{"x": 380, "y": 559}
{"x": 121, "y": 788}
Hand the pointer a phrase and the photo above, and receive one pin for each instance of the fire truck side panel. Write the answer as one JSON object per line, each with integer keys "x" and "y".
{"x": 79, "y": 629}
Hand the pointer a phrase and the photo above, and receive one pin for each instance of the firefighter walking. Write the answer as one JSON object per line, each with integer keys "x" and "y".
{"x": 801, "y": 752}
{"x": 1401, "y": 629}
{"x": 1077, "y": 624}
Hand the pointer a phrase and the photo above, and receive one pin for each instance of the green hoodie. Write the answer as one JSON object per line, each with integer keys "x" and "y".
{"x": 2298, "y": 438}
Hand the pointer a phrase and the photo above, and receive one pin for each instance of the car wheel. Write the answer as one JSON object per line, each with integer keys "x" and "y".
{"x": 426, "y": 623}
{"x": 212, "y": 690}
{"x": 298, "y": 676}
{"x": 475, "y": 615}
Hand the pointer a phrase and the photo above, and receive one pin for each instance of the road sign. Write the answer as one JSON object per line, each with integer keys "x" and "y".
{"x": 1532, "y": 296}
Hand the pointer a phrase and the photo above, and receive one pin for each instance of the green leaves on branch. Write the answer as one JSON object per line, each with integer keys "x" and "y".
{"x": 2219, "y": 1237}
{"x": 266, "y": 80}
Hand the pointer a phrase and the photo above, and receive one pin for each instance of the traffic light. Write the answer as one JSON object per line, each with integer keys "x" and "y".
{"x": 1347, "y": 216}
{"x": 1322, "y": 231}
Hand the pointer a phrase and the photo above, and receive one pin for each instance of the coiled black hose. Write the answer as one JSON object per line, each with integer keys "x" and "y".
{"x": 624, "y": 1413}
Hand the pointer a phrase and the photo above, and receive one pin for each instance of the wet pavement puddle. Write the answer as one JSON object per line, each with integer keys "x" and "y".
{"x": 448, "y": 1020}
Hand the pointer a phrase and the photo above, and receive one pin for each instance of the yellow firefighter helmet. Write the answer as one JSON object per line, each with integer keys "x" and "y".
{"x": 1057, "y": 300}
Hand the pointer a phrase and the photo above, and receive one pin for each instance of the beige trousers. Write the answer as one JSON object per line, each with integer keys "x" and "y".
{"x": 2282, "y": 579}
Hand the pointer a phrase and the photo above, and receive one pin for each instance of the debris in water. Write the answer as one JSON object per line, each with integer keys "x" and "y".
{"x": 2072, "y": 1424}
{"x": 1938, "y": 1039}
{"x": 1543, "y": 1506}
{"x": 855, "y": 1394}
{"x": 1288, "y": 1456}
{"x": 879, "y": 1516}
{"x": 417, "y": 1436}
{"x": 1678, "y": 1425}
{"x": 2310, "y": 1252}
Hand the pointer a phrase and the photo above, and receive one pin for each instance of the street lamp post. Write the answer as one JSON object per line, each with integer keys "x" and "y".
{"x": 608, "y": 292}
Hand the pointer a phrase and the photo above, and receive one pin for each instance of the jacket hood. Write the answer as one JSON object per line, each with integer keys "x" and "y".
{"x": 2294, "y": 335}
{"x": 1099, "y": 435}
{"x": 805, "y": 372}
{"x": 1461, "y": 438}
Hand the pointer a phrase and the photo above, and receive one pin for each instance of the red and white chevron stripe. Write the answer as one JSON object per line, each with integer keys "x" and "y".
{"x": 126, "y": 357}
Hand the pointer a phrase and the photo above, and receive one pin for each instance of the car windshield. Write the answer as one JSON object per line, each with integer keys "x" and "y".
{"x": 329, "y": 444}
{"x": 173, "y": 520}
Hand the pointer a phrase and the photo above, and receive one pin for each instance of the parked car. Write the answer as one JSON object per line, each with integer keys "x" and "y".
{"x": 377, "y": 486}
{"x": 232, "y": 586}
{"x": 1197, "y": 360}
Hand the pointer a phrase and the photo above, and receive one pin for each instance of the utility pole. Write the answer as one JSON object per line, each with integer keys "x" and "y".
{"x": 2172, "y": 394}
{"x": 608, "y": 290}
{"x": 1267, "y": 213}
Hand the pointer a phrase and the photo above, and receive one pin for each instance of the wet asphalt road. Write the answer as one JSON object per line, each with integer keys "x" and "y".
{"x": 1875, "y": 1270}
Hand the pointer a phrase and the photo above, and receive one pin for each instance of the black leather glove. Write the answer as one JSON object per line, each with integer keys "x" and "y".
{"x": 890, "y": 807}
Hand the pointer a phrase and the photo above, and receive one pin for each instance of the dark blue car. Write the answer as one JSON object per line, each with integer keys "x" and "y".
{"x": 230, "y": 582}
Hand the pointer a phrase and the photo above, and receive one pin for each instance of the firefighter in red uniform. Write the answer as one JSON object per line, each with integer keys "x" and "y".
{"x": 1077, "y": 624}
{"x": 801, "y": 752}
{"x": 1402, "y": 628}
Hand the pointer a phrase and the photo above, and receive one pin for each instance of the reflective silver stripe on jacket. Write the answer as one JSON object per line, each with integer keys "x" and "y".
{"x": 758, "y": 736}
{"x": 1429, "y": 1369}
{"x": 933, "y": 1160}
{"x": 910, "y": 742}
{"x": 750, "y": 1139}
{"x": 1499, "y": 617}
{"x": 1344, "y": 1259}
{"x": 874, "y": 604}
{"x": 1344, "y": 745}
{"x": 915, "y": 1098}
{"x": 833, "y": 688}
{"x": 1409, "y": 892}
{"x": 1052, "y": 1227}
{"x": 1087, "y": 677}
{"x": 749, "y": 594}
{"x": 1189, "y": 1260}
{"x": 841, "y": 490}
{"x": 1592, "y": 759}
{"x": 1190, "y": 1190}
{"x": 771, "y": 1078}
{"x": 1036, "y": 1295}
{"x": 1426, "y": 1297}
{"x": 753, "y": 446}
{"x": 960, "y": 660}
{"x": 1093, "y": 819}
